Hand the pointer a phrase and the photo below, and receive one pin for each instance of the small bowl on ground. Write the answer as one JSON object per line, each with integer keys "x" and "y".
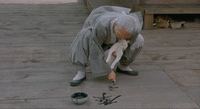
{"x": 79, "y": 98}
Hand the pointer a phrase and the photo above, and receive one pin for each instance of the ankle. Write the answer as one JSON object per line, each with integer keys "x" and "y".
{"x": 79, "y": 75}
{"x": 123, "y": 68}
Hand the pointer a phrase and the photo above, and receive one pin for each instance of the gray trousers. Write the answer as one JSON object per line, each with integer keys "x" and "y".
{"x": 132, "y": 51}
{"x": 79, "y": 50}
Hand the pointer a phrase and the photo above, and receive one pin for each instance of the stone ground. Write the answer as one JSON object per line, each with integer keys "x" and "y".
{"x": 35, "y": 71}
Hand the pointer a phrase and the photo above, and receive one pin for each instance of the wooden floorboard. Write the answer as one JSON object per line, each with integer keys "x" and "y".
{"x": 35, "y": 70}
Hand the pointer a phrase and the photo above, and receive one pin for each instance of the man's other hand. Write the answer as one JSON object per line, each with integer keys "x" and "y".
{"x": 114, "y": 54}
{"x": 112, "y": 76}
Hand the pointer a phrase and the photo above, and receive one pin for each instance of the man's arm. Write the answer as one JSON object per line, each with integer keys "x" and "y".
{"x": 98, "y": 65}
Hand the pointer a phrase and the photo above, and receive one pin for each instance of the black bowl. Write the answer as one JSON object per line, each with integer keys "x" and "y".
{"x": 79, "y": 98}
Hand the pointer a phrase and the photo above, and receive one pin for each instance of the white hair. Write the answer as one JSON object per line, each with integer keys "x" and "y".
{"x": 128, "y": 22}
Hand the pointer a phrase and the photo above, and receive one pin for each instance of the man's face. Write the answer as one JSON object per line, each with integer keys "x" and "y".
{"x": 122, "y": 34}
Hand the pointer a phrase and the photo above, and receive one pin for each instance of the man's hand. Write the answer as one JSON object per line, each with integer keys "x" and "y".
{"x": 112, "y": 76}
{"x": 114, "y": 54}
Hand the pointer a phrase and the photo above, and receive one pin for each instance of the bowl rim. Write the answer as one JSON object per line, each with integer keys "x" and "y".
{"x": 75, "y": 95}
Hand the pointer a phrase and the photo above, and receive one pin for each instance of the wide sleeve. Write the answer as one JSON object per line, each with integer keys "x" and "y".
{"x": 98, "y": 65}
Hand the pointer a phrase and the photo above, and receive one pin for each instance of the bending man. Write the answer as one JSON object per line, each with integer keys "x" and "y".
{"x": 103, "y": 27}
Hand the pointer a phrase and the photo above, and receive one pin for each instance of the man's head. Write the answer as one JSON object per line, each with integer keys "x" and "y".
{"x": 124, "y": 27}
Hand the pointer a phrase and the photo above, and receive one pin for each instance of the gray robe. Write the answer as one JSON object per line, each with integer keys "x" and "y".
{"x": 98, "y": 30}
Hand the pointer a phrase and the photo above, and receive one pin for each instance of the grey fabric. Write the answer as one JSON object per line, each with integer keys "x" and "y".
{"x": 79, "y": 49}
{"x": 98, "y": 30}
{"x": 132, "y": 51}
{"x": 96, "y": 13}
